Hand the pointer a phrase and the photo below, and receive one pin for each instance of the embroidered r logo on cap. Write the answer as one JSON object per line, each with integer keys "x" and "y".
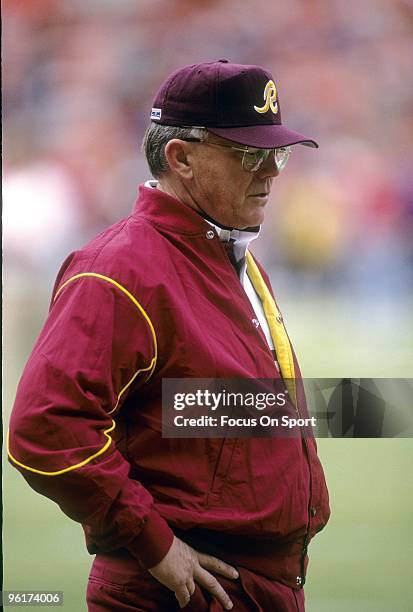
{"x": 270, "y": 97}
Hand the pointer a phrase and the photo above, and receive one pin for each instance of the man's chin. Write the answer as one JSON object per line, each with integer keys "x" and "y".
{"x": 251, "y": 217}
{"x": 253, "y": 221}
{"x": 252, "y": 227}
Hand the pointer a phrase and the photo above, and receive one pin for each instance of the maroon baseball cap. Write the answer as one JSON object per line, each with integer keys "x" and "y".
{"x": 235, "y": 101}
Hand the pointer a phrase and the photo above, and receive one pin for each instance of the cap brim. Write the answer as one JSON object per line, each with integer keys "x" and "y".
{"x": 263, "y": 136}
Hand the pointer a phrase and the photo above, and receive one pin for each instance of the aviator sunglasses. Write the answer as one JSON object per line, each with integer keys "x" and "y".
{"x": 253, "y": 159}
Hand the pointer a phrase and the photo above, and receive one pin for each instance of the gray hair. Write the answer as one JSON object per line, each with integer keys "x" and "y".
{"x": 156, "y": 138}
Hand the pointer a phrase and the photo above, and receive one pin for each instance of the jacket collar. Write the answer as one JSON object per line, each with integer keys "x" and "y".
{"x": 164, "y": 210}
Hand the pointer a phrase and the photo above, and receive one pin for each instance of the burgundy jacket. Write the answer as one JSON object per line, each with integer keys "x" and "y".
{"x": 156, "y": 296}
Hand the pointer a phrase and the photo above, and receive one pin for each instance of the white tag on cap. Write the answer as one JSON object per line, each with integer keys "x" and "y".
{"x": 156, "y": 113}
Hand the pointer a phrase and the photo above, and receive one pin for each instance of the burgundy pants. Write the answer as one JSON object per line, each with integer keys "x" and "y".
{"x": 111, "y": 590}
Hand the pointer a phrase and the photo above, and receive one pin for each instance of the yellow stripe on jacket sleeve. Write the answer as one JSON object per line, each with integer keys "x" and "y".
{"x": 71, "y": 467}
{"x": 151, "y": 367}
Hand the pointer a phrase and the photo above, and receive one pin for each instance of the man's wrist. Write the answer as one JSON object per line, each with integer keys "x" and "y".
{"x": 153, "y": 542}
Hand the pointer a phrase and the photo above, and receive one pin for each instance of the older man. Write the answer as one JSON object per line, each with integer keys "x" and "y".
{"x": 173, "y": 292}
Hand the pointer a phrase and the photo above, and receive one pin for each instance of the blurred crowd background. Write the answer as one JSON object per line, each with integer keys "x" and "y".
{"x": 79, "y": 77}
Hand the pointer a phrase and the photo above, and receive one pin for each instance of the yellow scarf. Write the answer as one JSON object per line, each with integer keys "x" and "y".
{"x": 275, "y": 323}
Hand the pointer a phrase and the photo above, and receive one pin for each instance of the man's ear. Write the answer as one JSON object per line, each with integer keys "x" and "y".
{"x": 176, "y": 153}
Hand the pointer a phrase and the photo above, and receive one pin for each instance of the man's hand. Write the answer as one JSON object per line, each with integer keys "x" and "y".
{"x": 183, "y": 566}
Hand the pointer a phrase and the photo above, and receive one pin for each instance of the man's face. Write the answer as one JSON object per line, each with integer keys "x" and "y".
{"x": 225, "y": 191}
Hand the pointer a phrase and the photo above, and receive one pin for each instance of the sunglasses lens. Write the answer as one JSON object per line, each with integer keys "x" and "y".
{"x": 281, "y": 157}
{"x": 253, "y": 160}
{"x": 250, "y": 161}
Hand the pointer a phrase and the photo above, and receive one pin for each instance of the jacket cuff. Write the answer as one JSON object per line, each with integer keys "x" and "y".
{"x": 153, "y": 542}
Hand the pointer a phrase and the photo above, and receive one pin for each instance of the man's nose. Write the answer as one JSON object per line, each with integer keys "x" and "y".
{"x": 269, "y": 167}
